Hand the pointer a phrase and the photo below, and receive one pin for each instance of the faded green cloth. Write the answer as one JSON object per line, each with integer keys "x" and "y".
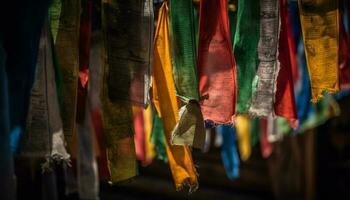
{"x": 182, "y": 33}
{"x": 245, "y": 50}
{"x": 55, "y": 14}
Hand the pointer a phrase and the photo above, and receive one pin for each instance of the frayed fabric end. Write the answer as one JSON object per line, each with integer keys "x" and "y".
{"x": 318, "y": 93}
{"x": 186, "y": 184}
{"x": 190, "y": 128}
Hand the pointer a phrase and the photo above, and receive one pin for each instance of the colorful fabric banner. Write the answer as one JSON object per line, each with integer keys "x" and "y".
{"x": 117, "y": 117}
{"x": 319, "y": 22}
{"x": 284, "y": 105}
{"x": 245, "y": 50}
{"x": 158, "y": 138}
{"x": 43, "y": 136}
{"x": 265, "y": 80}
{"x": 67, "y": 49}
{"x": 180, "y": 158}
{"x": 216, "y": 65}
{"x": 129, "y": 32}
{"x": 344, "y": 54}
{"x": 183, "y": 49}
{"x": 229, "y": 153}
{"x": 243, "y": 129}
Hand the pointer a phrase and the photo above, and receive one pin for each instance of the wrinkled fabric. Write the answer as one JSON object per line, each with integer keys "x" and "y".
{"x": 284, "y": 105}
{"x": 216, "y": 65}
{"x": 243, "y": 129}
{"x": 67, "y": 49}
{"x": 265, "y": 79}
{"x": 245, "y": 50}
{"x": 180, "y": 158}
{"x": 190, "y": 128}
{"x": 185, "y": 74}
{"x": 319, "y": 22}
{"x": 129, "y": 30}
{"x": 117, "y": 117}
{"x": 229, "y": 153}
{"x": 43, "y": 136}
{"x": 183, "y": 49}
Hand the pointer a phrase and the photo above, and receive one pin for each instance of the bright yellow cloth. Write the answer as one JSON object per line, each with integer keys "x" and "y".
{"x": 243, "y": 136}
{"x": 148, "y": 123}
{"x": 180, "y": 158}
{"x": 320, "y": 26}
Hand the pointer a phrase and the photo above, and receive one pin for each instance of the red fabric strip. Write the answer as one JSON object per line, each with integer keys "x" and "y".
{"x": 285, "y": 102}
{"x": 216, "y": 65}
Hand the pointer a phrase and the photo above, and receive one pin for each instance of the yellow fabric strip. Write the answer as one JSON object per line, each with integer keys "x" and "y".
{"x": 180, "y": 158}
{"x": 319, "y": 22}
{"x": 243, "y": 136}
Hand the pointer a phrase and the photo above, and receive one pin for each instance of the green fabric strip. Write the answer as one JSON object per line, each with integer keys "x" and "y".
{"x": 182, "y": 32}
{"x": 245, "y": 50}
{"x": 55, "y": 13}
{"x": 158, "y": 139}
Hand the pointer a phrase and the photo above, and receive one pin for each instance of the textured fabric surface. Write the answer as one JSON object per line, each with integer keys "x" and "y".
{"x": 265, "y": 79}
{"x": 284, "y": 105}
{"x": 158, "y": 138}
{"x": 183, "y": 49}
{"x": 129, "y": 30}
{"x": 43, "y": 136}
{"x": 245, "y": 50}
{"x": 117, "y": 117}
{"x": 216, "y": 65}
{"x": 320, "y": 27}
{"x": 54, "y": 16}
{"x": 67, "y": 49}
{"x": 164, "y": 97}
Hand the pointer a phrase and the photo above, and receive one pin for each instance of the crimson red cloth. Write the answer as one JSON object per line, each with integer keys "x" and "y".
{"x": 265, "y": 146}
{"x": 284, "y": 100}
{"x": 216, "y": 65}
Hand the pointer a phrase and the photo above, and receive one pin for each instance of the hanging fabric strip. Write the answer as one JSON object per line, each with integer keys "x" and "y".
{"x": 129, "y": 32}
{"x": 319, "y": 21}
{"x": 265, "y": 79}
{"x": 148, "y": 125}
{"x": 216, "y": 65}
{"x": 44, "y": 134}
{"x": 94, "y": 89}
{"x": 139, "y": 133}
{"x": 187, "y": 132}
{"x": 158, "y": 138}
{"x": 284, "y": 105}
{"x": 243, "y": 129}
{"x": 55, "y": 14}
{"x": 229, "y": 153}
{"x": 344, "y": 54}
{"x": 265, "y": 146}
{"x": 67, "y": 49}
{"x": 245, "y": 49}
{"x": 117, "y": 117}
{"x": 84, "y": 58}
{"x": 180, "y": 158}
{"x": 183, "y": 49}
